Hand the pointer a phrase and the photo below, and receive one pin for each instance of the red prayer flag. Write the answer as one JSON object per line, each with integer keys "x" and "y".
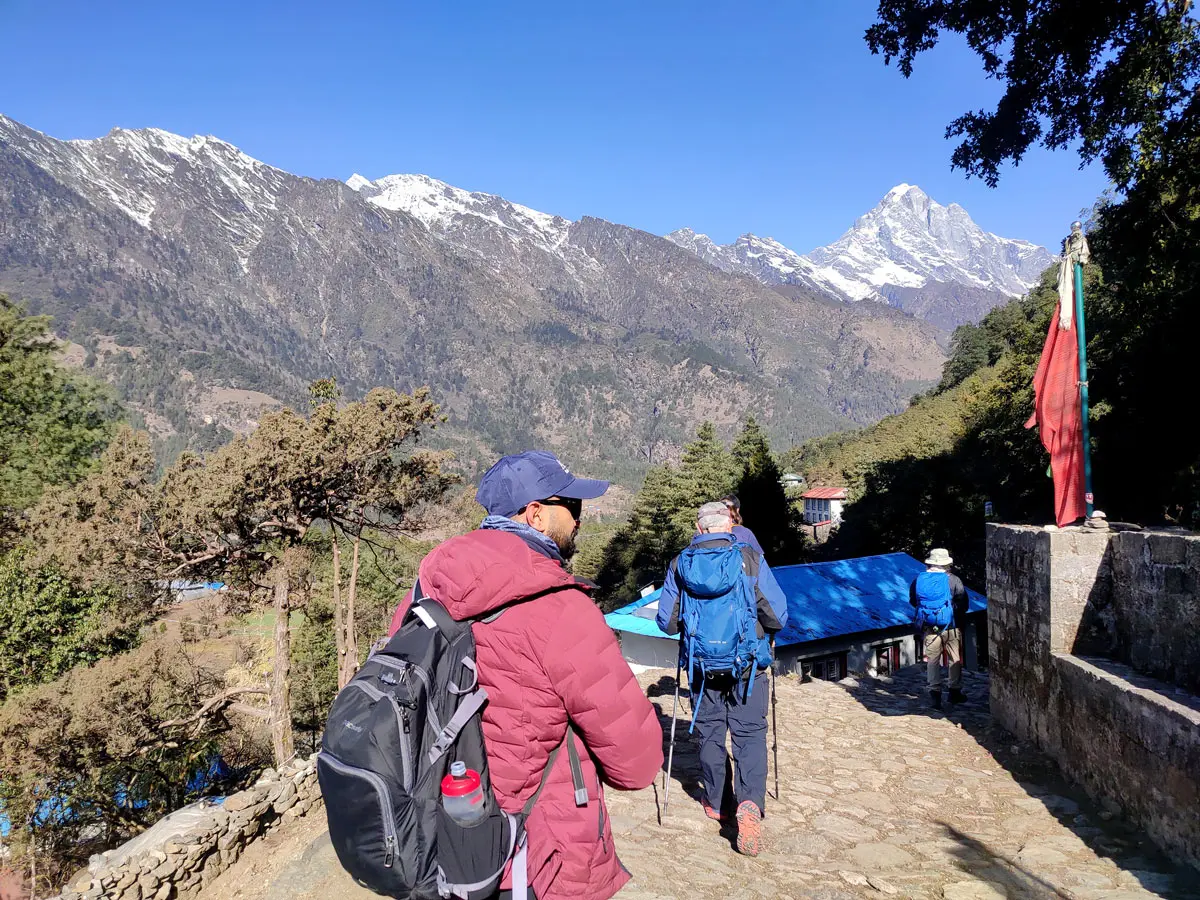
{"x": 1056, "y": 412}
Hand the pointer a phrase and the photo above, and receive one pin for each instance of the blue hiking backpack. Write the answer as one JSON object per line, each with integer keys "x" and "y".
{"x": 718, "y": 616}
{"x": 934, "y": 603}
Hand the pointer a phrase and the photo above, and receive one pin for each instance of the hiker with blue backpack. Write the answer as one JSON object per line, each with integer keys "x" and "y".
{"x": 719, "y": 595}
{"x": 940, "y": 602}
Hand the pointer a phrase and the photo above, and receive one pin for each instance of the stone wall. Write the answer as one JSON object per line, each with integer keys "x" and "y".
{"x": 1153, "y": 621}
{"x": 1066, "y": 611}
{"x": 186, "y": 850}
{"x": 1130, "y": 742}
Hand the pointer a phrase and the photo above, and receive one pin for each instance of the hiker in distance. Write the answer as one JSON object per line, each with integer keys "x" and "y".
{"x": 739, "y": 531}
{"x": 939, "y": 603}
{"x": 547, "y": 661}
{"x": 721, "y": 597}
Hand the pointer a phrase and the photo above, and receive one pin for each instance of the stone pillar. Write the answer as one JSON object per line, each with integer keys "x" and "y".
{"x": 1042, "y": 588}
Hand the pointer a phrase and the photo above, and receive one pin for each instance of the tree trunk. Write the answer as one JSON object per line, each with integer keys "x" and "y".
{"x": 351, "y": 625}
{"x": 339, "y": 629}
{"x": 281, "y": 707}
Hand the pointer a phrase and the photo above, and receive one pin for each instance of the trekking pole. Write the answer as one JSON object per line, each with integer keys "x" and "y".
{"x": 671, "y": 749}
{"x": 774, "y": 720}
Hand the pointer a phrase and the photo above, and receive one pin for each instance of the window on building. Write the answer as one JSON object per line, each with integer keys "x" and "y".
{"x": 887, "y": 659}
{"x": 826, "y": 668}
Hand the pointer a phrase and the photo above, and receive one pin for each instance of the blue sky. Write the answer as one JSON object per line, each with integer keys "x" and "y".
{"x": 765, "y": 117}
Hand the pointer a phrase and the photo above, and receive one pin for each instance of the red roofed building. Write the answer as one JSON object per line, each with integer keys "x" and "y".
{"x": 824, "y": 504}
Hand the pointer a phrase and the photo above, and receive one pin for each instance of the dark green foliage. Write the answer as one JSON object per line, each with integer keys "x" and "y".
{"x": 766, "y": 509}
{"x": 664, "y": 517}
{"x": 664, "y": 512}
{"x": 708, "y": 471}
{"x": 1142, "y": 330}
{"x": 1121, "y": 78}
{"x": 48, "y": 625}
{"x": 658, "y": 528}
{"x": 1117, "y": 78}
{"x": 921, "y": 478}
{"x": 53, "y": 423}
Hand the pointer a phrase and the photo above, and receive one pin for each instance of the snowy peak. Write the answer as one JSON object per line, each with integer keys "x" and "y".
{"x": 907, "y": 244}
{"x": 134, "y": 172}
{"x": 909, "y": 239}
{"x": 447, "y": 209}
{"x": 706, "y": 248}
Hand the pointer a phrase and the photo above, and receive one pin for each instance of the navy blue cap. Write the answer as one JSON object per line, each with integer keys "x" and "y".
{"x": 516, "y": 481}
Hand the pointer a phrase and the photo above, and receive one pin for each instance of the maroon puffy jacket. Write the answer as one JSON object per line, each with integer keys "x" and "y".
{"x": 540, "y": 662}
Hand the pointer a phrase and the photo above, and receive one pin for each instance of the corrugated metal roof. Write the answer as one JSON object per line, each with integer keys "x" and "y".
{"x": 850, "y": 595}
{"x": 826, "y": 493}
{"x": 824, "y": 599}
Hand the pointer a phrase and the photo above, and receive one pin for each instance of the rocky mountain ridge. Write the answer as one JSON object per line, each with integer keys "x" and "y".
{"x": 184, "y": 268}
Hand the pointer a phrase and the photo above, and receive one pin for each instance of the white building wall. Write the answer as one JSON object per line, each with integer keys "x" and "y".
{"x": 861, "y": 655}
{"x": 644, "y": 650}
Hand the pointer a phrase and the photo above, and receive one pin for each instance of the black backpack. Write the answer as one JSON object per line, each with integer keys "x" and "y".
{"x": 392, "y": 733}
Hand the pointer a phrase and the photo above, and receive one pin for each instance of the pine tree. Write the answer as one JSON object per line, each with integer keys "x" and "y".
{"x": 53, "y": 422}
{"x": 640, "y": 552}
{"x": 709, "y": 471}
{"x": 664, "y": 517}
{"x": 766, "y": 509}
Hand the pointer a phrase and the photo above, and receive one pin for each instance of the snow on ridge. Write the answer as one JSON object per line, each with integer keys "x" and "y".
{"x": 132, "y": 168}
{"x": 906, "y": 241}
{"x": 443, "y": 206}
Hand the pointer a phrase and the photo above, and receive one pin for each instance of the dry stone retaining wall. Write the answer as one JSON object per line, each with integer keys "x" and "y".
{"x": 186, "y": 850}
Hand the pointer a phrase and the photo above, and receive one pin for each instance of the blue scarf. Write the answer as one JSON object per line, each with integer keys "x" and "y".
{"x": 531, "y": 536}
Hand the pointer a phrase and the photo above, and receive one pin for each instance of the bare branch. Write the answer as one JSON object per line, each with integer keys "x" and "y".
{"x": 211, "y": 706}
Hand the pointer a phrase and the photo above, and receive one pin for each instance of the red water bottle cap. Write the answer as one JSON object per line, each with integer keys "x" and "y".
{"x": 460, "y": 782}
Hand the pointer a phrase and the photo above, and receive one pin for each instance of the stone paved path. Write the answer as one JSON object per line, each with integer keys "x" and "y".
{"x": 879, "y": 798}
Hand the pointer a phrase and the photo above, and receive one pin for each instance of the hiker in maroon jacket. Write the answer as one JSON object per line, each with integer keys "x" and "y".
{"x": 544, "y": 662}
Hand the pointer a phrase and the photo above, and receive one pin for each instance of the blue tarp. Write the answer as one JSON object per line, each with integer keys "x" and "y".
{"x": 636, "y": 618}
{"x": 210, "y": 773}
{"x": 825, "y": 600}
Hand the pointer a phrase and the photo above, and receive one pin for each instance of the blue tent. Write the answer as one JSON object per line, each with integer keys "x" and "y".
{"x": 825, "y": 600}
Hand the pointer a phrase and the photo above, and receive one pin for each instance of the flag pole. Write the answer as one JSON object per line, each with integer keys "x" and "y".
{"x": 1079, "y": 255}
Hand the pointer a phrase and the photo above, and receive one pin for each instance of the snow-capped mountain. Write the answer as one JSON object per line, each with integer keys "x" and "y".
{"x": 136, "y": 172}
{"x": 196, "y": 276}
{"x": 909, "y": 251}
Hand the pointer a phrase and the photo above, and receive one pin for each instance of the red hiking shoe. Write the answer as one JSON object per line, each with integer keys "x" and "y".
{"x": 749, "y": 828}
{"x": 715, "y": 814}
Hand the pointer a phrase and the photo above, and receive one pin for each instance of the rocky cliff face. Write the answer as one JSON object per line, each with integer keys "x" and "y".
{"x": 188, "y": 268}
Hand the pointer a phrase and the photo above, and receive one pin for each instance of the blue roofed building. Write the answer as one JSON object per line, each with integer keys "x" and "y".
{"x": 851, "y": 615}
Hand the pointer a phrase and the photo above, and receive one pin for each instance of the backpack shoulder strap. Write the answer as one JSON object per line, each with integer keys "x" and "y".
{"x": 568, "y": 741}
{"x": 435, "y": 616}
{"x": 431, "y": 613}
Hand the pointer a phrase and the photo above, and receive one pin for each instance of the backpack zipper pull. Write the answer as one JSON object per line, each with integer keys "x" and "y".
{"x": 404, "y": 720}
{"x": 389, "y": 852}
